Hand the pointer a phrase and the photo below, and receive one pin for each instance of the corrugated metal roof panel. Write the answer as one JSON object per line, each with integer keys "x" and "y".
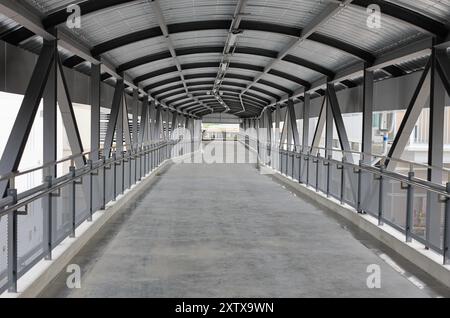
{"x": 199, "y": 38}
{"x": 249, "y": 59}
{"x": 108, "y": 24}
{"x": 139, "y": 49}
{"x": 322, "y": 55}
{"x": 7, "y": 24}
{"x": 179, "y": 11}
{"x": 297, "y": 70}
{"x": 350, "y": 26}
{"x": 269, "y": 89}
{"x": 296, "y": 13}
{"x": 263, "y": 40}
{"x": 414, "y": 65}
{"x": 280, "y": 81}
{"x": 48, "y": 6}
{"x": 242, "y": 72}
{"x": 195, "y": 58}
{"x": 151, "y": 67}
{"x": 436, "y": 9}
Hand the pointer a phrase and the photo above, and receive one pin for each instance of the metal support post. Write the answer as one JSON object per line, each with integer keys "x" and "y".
{"x": 103, "y": 183}
{"x": 48, "y": 237}
{"x": 358, "y": 200}
{"x": 409, "y": 208}
{"x": 316, "y": 161}
{"x": 380, "y": 196}
{"x": 447, "y": 228}
{"x": 12, "y": 244}
{"x": 328, "y": 174}
{"x": 73, "y": 199}
{"x": 91, "y": 174}
{"x": 122, "y": 166}
{"x": 114, "y": 168}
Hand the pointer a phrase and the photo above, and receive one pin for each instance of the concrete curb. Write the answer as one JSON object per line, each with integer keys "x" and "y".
{"x": 415, "y": 252}
{"x": 34, "y": 281}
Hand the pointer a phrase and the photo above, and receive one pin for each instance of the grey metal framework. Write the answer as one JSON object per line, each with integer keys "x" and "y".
{"x": 179, "y": 60}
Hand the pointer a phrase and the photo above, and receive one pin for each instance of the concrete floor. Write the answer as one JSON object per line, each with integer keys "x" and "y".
{"x": 224, "y": 230}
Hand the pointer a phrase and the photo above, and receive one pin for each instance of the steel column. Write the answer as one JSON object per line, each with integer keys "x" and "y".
{"x": 306, "y": 112}
{"x": 95, "y": 111}
{"x": 367, "y": 116}
{"x": 328, "y": 126}
{"x": 135, "y": 111}
{"x": 49, "y": 148}
{"x": 435, "y": 151}
{"x": 50, "y": 118}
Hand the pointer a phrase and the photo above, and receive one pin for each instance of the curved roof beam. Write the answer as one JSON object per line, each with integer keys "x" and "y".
{"x": 182, "y": 95}
{"x": 190, "y": 66}
{"x": 245, "y": 66}
{"x": 228, "y": 96}
{"x": 249, "y": 78}
{"x": 224, "y": 25}
{"x": 214, "y": 103}
{"x": 184, "y": 99}
{"x": 178, "y": 86}
{"x": 226, "y": 92}
{"x": 215, "y": 49}
{"x": 231, "y": 98}
{"x": 234, "y": 92}
{"x": 247, "y": 97}
{"x": 177, "y": 79}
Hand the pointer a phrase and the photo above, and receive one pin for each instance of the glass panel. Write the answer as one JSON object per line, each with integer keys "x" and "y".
{"x": 3, "y": 251}
{"x": 335, "y": 180}
{"x": 312, "y": 172}
{"x": 394, "y": 207}
{"x": 62, "y": 215}
{"x": 420, "y": 213}
{"x": 322, "y": 176}
{"x": 351, "y": 186}
{"x": 289, "y": 164}
{"x": 30, "y": 229}
{"x": 81, "y": 200}
{"x": 369, "y": 193}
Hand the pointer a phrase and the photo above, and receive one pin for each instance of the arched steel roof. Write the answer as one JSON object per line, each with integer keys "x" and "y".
{"x": 173, "y": 48}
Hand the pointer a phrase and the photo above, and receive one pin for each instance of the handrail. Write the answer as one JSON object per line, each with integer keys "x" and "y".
{"x": 363, "y": 154}
{"x": 429, "y": 186}
{"x": 70, "y": 158}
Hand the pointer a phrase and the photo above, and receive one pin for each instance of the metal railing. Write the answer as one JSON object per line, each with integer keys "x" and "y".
{"x": 100, "y": 181}
{"x": 393, "y": 198}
